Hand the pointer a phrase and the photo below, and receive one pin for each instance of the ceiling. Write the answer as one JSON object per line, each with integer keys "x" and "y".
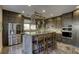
{"x": 51, "y": 10}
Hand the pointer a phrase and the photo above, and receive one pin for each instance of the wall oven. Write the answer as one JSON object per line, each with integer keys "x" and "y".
{"x": 67, "y": 32}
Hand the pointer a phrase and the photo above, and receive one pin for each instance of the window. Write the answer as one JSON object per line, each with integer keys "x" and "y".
{"x": 26, "y": 26}
{"x": 33, "y": 27}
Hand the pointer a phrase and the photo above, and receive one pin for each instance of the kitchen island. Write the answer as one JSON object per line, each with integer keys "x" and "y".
{"x": 36, "y": 43}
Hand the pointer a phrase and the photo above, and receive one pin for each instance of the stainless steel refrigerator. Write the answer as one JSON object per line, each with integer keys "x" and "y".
{"x": 12, "y": 34}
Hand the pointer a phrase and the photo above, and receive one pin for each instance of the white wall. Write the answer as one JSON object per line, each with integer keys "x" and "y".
{"x": 0, "y": 28}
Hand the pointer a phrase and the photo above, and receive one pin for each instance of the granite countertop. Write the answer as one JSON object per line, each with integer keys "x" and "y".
{"x": 35, "y": 33}
{"x": 43, "y": 32}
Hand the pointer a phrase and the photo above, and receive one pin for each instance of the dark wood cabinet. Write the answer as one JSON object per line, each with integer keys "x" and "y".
{"x": 10, "y": 17}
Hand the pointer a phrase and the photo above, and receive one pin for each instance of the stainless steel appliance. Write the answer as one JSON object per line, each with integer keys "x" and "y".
{"x": 14, "y": 36}
{"x": 11, "y": 33}
{"x": 67, "y": 32}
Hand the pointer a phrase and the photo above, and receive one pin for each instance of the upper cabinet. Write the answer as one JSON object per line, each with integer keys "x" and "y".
{"x": 51, "y": 23}
{"x": 58, "y": 22}
{"x": 67, "y": 19}
{"x": 55, "y": 22}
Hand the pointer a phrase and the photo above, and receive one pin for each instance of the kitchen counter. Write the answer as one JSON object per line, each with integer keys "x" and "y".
{"x": 43, "y": 32}
{"x": 28, "y": 38}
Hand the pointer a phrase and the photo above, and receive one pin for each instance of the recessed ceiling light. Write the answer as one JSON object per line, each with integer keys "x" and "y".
{"x": 43, "y": 10}
{"x": 22, "y": 11}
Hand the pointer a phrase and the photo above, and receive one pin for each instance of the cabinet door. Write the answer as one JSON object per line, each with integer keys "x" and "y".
{"x": 76, "y": 17}
{"x": 54, "y": 22}
{"x": 59, "y": 23}
{"x": 51, "y": 23}
{"x": 59, "y": 27}
{"x": 67, "y": 19}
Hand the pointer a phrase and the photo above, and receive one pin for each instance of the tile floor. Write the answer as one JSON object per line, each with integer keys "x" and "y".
{"x": 17, "y": 49}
